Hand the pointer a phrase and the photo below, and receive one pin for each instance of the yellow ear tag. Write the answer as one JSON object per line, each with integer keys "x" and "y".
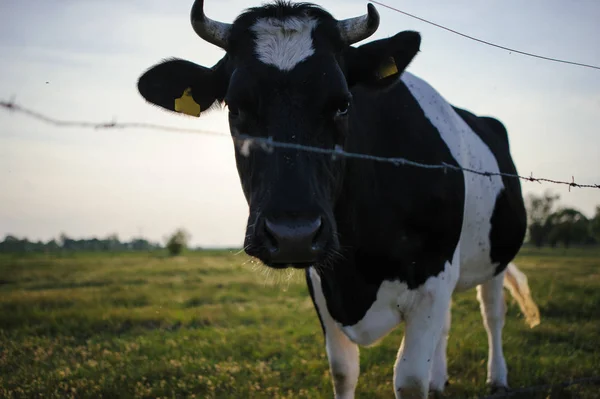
{"x": 388, "y": 69}
{"x": 186, "y": 104}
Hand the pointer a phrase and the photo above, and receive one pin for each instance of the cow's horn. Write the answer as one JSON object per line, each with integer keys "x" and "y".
{"x": 212, "y": 31}
{"x": 356, "y": 29}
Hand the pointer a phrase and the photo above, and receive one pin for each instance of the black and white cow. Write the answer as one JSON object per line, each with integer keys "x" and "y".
{"x": 381, "y": 244}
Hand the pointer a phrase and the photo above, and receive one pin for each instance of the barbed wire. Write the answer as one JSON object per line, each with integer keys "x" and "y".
{"x": 247, "y": 143}
{"x": 12, "y": 106}
{"x": 484, "y": 41}
{"x": 544, "y": 388}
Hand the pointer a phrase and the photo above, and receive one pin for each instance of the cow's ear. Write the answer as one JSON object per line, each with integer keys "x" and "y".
{"x": 182, "y": 86}
{"x": 381, "y": 62}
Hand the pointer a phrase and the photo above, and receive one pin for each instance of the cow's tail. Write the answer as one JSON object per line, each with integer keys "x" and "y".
{"x": 516, "y": 282}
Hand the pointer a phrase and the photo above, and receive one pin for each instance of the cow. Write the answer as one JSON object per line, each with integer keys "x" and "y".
{"x": 380, "y": 243}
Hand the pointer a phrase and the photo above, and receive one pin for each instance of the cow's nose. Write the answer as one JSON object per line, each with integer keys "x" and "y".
{"x": 294, "y": 240}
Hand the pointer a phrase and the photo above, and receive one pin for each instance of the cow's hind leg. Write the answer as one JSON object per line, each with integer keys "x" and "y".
{"x": 493, "y": 309}
{"x": 342, "y": 353}
{"x": 439, "y": 368}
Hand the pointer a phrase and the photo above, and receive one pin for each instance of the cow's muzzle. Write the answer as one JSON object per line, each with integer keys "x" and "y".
{"x": 284, "y": 242}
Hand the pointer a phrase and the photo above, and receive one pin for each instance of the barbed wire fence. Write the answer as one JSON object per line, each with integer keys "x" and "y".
{"x": 248, "y": 143}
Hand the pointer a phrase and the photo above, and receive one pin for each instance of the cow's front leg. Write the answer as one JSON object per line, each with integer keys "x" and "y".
{"x": 342, "y": 353}
{"x": 344, "y": 365}
{"x": 425, "y": 321}
{"x": 439, "y": 367}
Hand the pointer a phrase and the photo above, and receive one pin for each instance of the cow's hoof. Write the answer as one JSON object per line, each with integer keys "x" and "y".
{"x": 496, "y": 389}
{"x": 435, "y": 386}
{"x": 436, "y": 395}
{"x": 412, "y": 389}
{"x": 411, "y": 393}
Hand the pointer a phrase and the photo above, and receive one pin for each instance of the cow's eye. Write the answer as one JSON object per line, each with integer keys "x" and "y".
{"x": 343, "y": 108}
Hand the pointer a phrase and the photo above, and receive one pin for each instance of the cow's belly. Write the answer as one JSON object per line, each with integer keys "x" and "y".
{"x": 474, "y": 270}
{"x": 476, "y": 265}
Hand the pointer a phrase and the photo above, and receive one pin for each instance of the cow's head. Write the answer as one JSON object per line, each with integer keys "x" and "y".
{"x": 288, "y": 74}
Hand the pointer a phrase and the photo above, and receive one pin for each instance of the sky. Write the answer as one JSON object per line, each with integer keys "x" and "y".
{"x": 80, "y": 60}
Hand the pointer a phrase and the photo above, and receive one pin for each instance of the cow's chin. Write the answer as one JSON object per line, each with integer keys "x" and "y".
{"x": 303, "y": 261}
{"x": 287, "y": 265}
{"x": 301, "y": 265}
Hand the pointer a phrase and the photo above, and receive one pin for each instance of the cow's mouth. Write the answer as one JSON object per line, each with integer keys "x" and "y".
{"x": 263, "y": 256}
{"x": 287, "y": 265}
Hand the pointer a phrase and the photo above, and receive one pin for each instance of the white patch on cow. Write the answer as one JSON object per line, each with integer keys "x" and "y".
{"x": 342, "y": 353}
{"x": 481, "y": 192}
{"x": 393, "y": 299}
{"x": 284, "y": 43}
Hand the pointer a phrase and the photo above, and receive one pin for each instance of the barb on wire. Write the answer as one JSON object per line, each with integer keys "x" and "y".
{"x": 247, "y": 143}
{"x": 544, "y": 388}
{"x": 486, "y": 42}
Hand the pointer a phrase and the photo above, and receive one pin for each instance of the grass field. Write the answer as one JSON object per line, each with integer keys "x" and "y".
{"x": 215, "y": 325}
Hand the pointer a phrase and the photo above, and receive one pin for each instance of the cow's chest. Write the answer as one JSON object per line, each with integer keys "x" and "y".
{"x": 385, "y": 313}
{"x": 393, "y": 303}
{"x": 366, "y": 316}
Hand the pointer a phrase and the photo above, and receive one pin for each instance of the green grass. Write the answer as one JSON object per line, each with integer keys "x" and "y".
{"x": 214, "y": 325}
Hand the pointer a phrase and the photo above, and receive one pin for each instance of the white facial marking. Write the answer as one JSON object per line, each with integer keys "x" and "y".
{"x": 284, "y": 43}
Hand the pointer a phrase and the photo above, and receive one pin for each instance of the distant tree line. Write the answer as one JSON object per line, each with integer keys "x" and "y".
{"x": 12, "y": 244}
{"x": 561, "y": 226}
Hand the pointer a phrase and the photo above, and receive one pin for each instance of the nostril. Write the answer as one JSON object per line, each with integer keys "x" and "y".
{"x": 317, "y": 243}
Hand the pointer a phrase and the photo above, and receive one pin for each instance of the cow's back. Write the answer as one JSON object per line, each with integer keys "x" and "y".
{"x": 494, "y": 219}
